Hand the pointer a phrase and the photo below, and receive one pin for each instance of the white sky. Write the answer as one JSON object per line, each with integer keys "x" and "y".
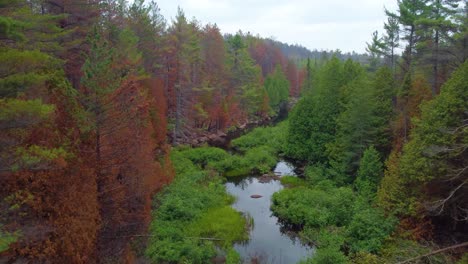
{"x": 315, "y": 24}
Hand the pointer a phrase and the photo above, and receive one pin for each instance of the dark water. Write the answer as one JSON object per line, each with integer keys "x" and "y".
{"x": 268, "y": 243}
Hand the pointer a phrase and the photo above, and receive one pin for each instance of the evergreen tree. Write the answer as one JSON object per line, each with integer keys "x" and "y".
{"x": 435, "y": 29}
{"x": 312, "y": 124}
{"x": 436, "y": 153}
{"x": 277, "y": 88}
{"x": 308, "y": 83}
{"x": 408, "y": 15}
{"x": 376, "y": 49}
{"x": 369, "y": 174}
{"x": 391, "y": 39}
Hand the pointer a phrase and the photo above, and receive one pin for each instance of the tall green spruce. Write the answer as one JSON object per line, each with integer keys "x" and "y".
{"x": 312, "y": 122}
{"x": 277, "y": 88}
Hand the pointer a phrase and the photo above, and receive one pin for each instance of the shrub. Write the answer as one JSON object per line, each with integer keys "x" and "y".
{"x": 313, "y": 207}
{"x": 194, "y": 205}
{"x": 328, "y": 255}
{"x": 368, "y": 229}
{"x": 292, "y": 181}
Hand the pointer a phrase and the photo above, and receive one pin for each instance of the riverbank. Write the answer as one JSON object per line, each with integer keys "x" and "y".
{"x": 193, "y": 218}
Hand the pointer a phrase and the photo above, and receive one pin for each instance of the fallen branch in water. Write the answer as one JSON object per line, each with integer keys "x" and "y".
{"x": 207, "y": 238}
{"x": 435, "y": 252}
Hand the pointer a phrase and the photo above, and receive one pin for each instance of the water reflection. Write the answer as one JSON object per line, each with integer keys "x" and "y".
{"x": 269, "y": 242}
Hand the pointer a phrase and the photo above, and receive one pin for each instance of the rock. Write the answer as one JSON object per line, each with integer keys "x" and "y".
{"x": 255, "y": 196}
{"x": 221, "y": 134}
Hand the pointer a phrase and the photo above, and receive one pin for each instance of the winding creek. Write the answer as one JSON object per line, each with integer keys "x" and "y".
{"x": 269, "y": 242}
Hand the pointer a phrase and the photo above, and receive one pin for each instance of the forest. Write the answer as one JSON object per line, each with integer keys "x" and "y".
{"x": 120, "y": 132}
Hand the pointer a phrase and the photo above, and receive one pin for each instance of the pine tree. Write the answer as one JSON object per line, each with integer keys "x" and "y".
{"x": 391, "y": 39}
{"x": 435, "y": 29}
{"x": 369, "y": 173}
{"x": 376, "y": 49}
{"x": 408, "y": 15}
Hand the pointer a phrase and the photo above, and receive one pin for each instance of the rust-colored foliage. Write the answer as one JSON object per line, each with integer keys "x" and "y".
{"x": 54, "y": 205}
{"x": 133, "y": 164}
{"x": 294, "y": 78}
{"x": 416, "y": 228}
{"x": 408, "y": 108}
{"x": 267, "y": 55}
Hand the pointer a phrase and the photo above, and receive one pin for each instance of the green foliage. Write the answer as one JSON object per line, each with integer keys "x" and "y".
{"x": 300, "y": 129}
{"x": 247, "y": 76}
{"x": 369, "y": 173}
{"x": 368, "y": 229}
{"x": 464, "y": 259}
{"x": 331, "y": 236}
{"x": 327, "y": 255}
{"x": 383, "y": 92}
{"x": 19, "y": 113}
{"x": 25, "y": 69}
{"x": 355, "y": 129}
{"x": 6, "y": 239}
{"x": 10, "y": 28}
{"x": 397, "y": 250}
{"x": 277, "y": 87}
{"x": 233, "y": 257}
{"x": 204, "y": 155}
{"x": 312, "y": 123}
{"x": 273, "y": 137}
{"x": 292, "y": 181}
{"x": 365, "y": 258}
{"x": 222, "y": 223}
{"x": 195, "y": 205}
{"x": 363, "y": 122}
{"x": 313, "y": 207}
{"x": 435, "y": 152}
{"x": 317, "y": 174}
{"x": 256, "y": 160}
{"x": 35, "y": 155}
{"x": 259, "y": 151}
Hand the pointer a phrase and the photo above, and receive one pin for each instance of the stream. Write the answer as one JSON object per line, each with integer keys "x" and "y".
{"x": 269, "y": 242}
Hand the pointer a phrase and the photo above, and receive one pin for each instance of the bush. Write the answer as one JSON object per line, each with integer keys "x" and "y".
{"x": 327, "y": 255}
{"x": 368, "y": 230}
{"x": 222, "y": 223}
{"x": 365, "y": 258}
{"x": 260, "y": 159}
{"x": 330, "y": 236}
{"x": 256, "y": 160}
{"x": 273, "y": 137}
{"x": 204, "y": 155}
{"x": 313, "y": 207}
{"x": 233, "y": 257}
{"x": 194, "y": 205}
{"x": 292, "y": 181}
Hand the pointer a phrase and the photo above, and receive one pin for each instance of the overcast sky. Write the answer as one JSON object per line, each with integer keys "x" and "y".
{"x": 315, "y": 24}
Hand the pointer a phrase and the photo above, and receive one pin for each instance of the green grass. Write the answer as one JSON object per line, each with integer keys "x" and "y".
{"x": 195, "y": 205}
{"x": 292, "y": 181}
{"x": 273, "y": 137}
{"x": 224, "y": 223}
